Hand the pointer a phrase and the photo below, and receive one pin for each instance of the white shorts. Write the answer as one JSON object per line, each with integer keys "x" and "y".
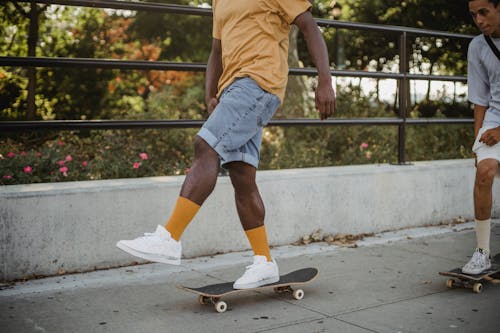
{"x": 482, "y": 150}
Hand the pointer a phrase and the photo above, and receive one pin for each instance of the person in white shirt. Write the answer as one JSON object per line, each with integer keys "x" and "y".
{"x": 484, "y": 93}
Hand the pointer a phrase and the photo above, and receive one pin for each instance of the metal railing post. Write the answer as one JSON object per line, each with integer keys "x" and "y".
{"x": 403, "y": 94}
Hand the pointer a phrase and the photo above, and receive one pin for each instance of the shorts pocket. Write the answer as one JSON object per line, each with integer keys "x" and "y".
{"x": 266, "y": 109}
{"x": 477, "y": 144}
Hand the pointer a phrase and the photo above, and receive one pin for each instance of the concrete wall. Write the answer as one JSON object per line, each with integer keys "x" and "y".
{"x": 48, "y": 228}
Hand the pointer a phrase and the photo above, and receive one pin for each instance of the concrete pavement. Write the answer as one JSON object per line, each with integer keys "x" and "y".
{"x": 389, "y": 283}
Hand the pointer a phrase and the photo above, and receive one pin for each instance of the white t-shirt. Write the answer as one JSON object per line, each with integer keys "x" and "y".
{"x": 484, "y": 74}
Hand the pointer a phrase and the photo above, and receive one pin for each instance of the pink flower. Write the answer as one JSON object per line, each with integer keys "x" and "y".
{"x": 136, "y": 165}
{"x": 38, "y": 154}
{"x": 69, "y": 158}
{"x": 64, "y": 171}
{"x": 143, "y": 156}
{"x": 60, "y": 143}
{"x": 85, "y": 164}
{"x": 61, "y": 163}
{"x": 7, "y": 177}
{"x": 11, "y": 154}
{"x": 364, "y": 145}
{"x": 187, "y": 170}
{"x": 27, "y": 169}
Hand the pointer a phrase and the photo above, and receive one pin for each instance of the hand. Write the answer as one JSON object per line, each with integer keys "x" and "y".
{"x": 491, "y": 137}
{"x": 325, "y": 100}
{"x": 211, "y": 104}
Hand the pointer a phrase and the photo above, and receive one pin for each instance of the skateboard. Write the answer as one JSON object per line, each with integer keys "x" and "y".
{"x": 213, "y": 293}
{"x": 474, "y": 281}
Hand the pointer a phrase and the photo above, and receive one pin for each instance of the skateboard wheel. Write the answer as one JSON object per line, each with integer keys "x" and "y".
{"x": 477, "y": 288}
{"x": 450, "y": 283}
{"x": 298, "y": 294}
{"x": 221, "y": 306}
{"x": 202, "y": 300}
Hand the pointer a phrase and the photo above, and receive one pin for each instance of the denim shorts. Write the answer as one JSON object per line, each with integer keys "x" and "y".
{"x": 234, "y": 129}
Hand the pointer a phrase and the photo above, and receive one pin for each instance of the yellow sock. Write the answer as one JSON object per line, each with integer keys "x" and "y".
{"x": 258, "y": 241}
{"x": 184, "y": 212}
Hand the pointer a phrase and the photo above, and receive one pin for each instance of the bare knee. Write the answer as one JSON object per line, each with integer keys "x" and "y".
{"x": 242, "y": 176}
{"x": 202, "y": 150}
{"x": 485, "y": 173}
{"x": 200, "y": 145}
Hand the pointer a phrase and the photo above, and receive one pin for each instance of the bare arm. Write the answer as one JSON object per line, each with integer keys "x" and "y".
{"x": 479, "y": 112}
{"x": 212, "y": 75}
{"x": 325, "y": 95}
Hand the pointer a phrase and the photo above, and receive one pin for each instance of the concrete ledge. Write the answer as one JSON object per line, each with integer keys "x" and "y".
{"x": 48, "y": 228}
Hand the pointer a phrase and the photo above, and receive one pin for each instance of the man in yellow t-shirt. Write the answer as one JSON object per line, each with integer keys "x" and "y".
{"x": 245, "y": 83}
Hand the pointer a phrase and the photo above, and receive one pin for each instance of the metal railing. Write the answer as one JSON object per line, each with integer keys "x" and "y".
{"x": 403, "y": 76}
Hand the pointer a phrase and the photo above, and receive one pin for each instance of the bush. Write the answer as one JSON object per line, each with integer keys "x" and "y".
{"x": 109, "y": 154}
{"x": 102, "y": 155}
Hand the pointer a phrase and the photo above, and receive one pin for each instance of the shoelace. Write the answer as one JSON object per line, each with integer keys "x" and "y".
{"x": 250, "y": 267}
{"x": 477, "y": 260}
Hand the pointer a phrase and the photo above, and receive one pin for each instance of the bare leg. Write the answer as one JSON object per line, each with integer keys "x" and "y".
{"x": 248, "y": 200}
{"x": 163, "y": 245}
{"x": 483, "y": 184}
{"x": 202, "y": 177}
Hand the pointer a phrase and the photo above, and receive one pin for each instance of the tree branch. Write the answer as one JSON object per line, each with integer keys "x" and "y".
{"x": 21, "y": 9}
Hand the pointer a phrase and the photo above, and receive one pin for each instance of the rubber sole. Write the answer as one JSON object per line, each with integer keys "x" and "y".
{"x": 147, "y": 256}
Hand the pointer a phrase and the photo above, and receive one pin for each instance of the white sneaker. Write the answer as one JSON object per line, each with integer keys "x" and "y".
{"x": 261, "y": 272}
{"x": 479, "y": 262}
{"x": 158, "y": 246}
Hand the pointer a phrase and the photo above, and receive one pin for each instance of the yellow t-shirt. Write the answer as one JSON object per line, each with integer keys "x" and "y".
{"x": 254, "y": 39}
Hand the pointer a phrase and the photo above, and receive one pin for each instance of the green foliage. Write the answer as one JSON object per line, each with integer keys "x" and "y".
{"x": 348, "y": 145}
{"x": 379, "y": 51}
{"x": 439, "y": 141}
{"x": 183, "y": 37}
{"x": 109, "y": 154}
{"x": 89, "y": 93}
{"x": 12, "y": 95}
{"x": 100, "y": 155}
{"x": 327, "y": 146}
{"x": 345, "y": 145}
{"x": 55, "y": 160}
{"x": 440, "y": 109}
{"x": 14, "y": 32}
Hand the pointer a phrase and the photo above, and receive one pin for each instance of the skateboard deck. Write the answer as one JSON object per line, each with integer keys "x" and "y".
{"x": 474, "y": 281}
{"x": 213, "y": 293}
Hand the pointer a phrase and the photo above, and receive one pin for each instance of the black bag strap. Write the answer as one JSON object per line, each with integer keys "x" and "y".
{"x": 493, "y": 46}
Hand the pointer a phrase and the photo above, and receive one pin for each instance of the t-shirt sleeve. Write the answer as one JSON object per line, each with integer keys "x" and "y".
{"x": 293, "y": 8}
{"x": 477, "y": 79}
{"x": 215, "y": 25}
